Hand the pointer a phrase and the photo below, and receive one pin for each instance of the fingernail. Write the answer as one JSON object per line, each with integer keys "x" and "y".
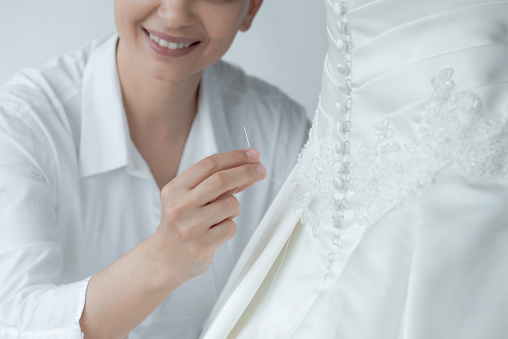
{"x": 252, "y": 154}
{"x": 261, "y": 169}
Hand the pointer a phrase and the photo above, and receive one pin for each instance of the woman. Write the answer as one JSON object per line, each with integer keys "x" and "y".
{"x": 97, "y": 177}
{"x": 394, "y": 222}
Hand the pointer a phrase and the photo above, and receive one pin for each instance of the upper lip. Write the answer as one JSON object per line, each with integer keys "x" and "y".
{"x": 170, "y": 38}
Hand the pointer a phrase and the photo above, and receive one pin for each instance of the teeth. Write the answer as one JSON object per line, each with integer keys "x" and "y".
{"x": 167, "y": 44}
{"x": 155, "y": 38}
{"x": 163, "y": 43}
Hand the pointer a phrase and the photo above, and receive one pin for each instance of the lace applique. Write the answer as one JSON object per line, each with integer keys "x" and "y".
{"x": 316, "y": 163}
{"x": 455, "y": 130}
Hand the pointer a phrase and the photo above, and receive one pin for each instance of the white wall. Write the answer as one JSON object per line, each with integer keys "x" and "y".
{"x": 33, "y": 31}
{"x": 286, "y": 45}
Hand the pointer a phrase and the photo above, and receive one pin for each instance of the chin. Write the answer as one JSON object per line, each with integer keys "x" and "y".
{"x": 171, "y": 74}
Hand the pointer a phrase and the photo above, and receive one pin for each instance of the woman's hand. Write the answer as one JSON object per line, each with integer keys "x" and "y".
{"x": 197, "y": 211}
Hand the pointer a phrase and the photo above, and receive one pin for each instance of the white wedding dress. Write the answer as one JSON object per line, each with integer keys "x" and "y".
{"x": 394, "y": 222}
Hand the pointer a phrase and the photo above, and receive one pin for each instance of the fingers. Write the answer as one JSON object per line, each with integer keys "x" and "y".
{"x": 221, "y": 182}
{"x": 238, "y": 190}
{"x": 205, "y": 168}
{"x": 225, "y": 207}
{"x": 192, "y": 224}
{"x": 198, "y": 208}
{"x": 221, "y": 233}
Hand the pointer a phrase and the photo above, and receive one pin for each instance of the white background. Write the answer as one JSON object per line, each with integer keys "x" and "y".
{"x": 286, "y": 45}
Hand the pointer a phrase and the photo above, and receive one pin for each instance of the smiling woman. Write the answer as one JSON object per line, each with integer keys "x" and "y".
{"x": 122, "y": 173}
{"x": 210, "y": 26}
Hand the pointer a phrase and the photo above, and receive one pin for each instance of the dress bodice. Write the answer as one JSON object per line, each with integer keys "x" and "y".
{"x": 402, "y": 97}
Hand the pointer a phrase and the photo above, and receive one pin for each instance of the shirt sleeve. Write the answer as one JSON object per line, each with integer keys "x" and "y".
{"x": 34, "y": 303}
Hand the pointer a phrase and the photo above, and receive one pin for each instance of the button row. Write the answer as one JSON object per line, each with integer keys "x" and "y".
{"x": 342, "y": 126}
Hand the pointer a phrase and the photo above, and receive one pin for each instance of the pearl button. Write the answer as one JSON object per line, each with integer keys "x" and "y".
{"x": 346, "y": 29}
{"x": 348, "y": 84}
{"x": 341, "y": 108}
{"x": 337, "y": 220}
{"x": 343, "y": 8}
{"x": 336, "y": 8}
{"x": 338, "y": 125}
{"x": 340, "y": 44}
{"x": 337, "y": 204}
{"x": 349, "y": 104}
{"x": 348, "y": 47}
{"x": 339, "y": 25}
{"x": 339, "y": 167}
{"x": 346, "y": 147}
{"x": 342, "y": 69}
{"x": 338, "y": 183}
{"x": 331, "y": 256}
{"x": 347, "y": 126}
{"x": 335, "y": 241}
{"x": 339, "y": 147}
{"x": 343, "y": 89}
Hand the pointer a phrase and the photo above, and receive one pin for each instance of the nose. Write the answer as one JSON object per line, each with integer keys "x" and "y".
{"x": 177, "y": 13}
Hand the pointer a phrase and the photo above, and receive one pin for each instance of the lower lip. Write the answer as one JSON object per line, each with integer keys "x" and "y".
{"x": 169, "y": 52}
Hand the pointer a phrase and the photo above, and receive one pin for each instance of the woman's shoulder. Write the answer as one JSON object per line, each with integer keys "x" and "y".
{"x": 54, "y": 83}
{"x": 51, "y": 94}
{"x": 43, "y": 105}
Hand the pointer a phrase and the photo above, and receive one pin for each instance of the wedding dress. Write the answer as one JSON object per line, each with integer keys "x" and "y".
{"x": 394, "y": 222}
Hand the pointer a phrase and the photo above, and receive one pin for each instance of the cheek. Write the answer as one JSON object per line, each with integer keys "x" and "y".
{"x": 129, "y": 13}
{"x": 222, "y": 27}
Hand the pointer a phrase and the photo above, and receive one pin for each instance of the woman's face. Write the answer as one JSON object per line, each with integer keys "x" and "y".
{"x": 174, "y": 39}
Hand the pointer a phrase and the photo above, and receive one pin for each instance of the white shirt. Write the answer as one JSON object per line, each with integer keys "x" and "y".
{"x": 75, "y": 194}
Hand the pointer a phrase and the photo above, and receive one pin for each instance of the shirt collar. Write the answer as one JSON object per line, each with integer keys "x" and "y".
{"x": 105, "y": 139}
{"x": 104, "y": 129}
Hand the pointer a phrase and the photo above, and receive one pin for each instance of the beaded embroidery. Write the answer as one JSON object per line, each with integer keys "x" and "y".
{"x": 328, "y": 154}
{"x": 313, "y": 179}
{"x": 455, "y": 130}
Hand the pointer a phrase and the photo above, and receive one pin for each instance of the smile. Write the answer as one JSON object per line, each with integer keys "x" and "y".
{"x": 168, "y": 44}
